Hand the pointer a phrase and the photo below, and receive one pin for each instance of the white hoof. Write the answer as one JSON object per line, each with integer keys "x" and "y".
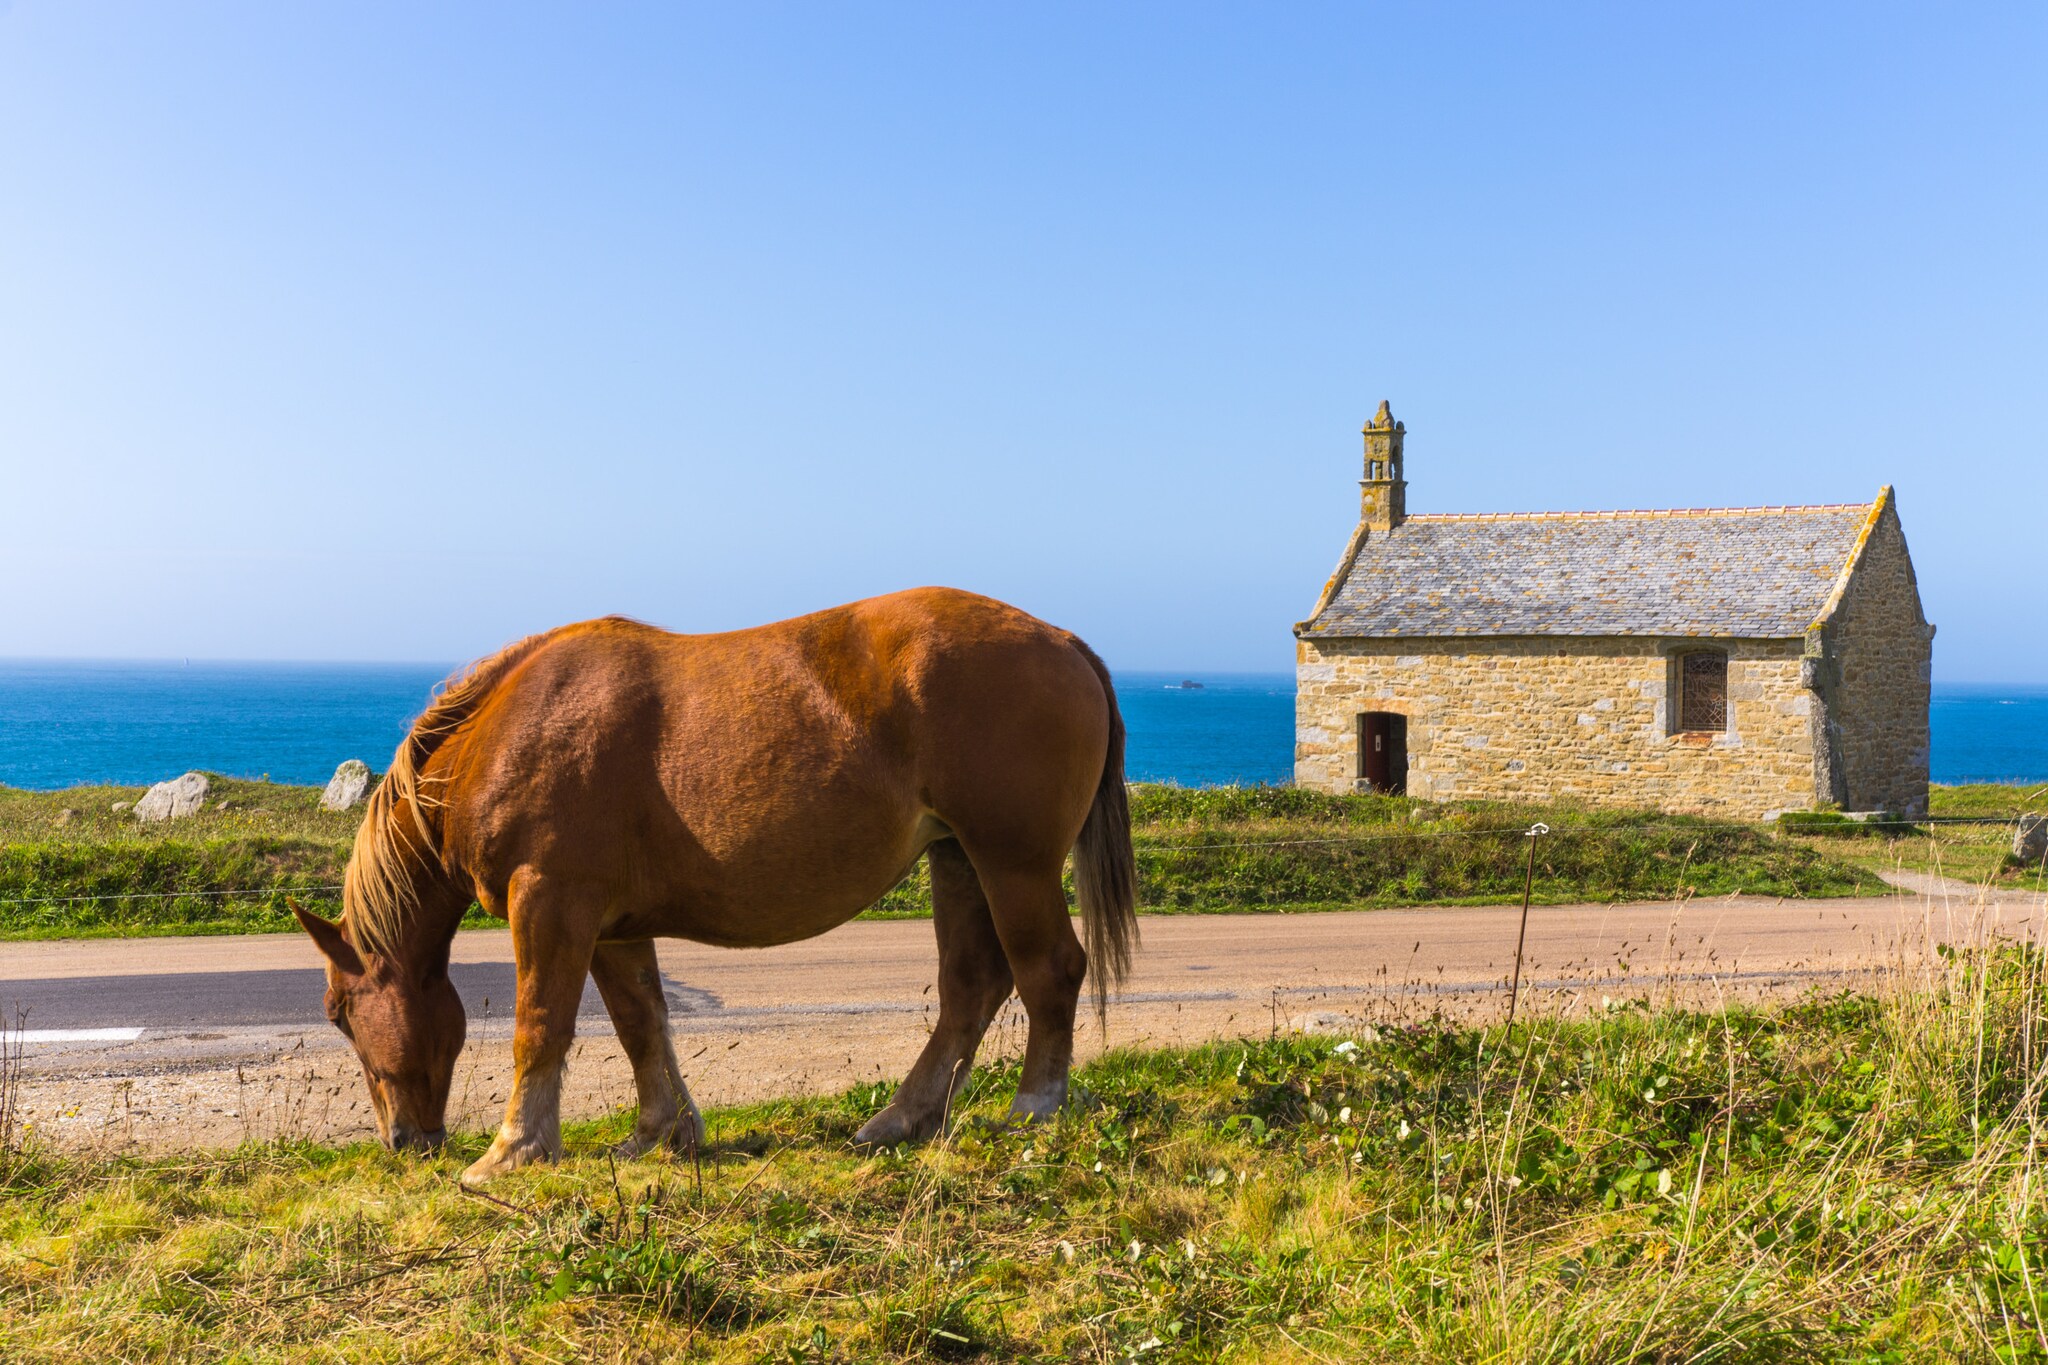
{"x": 508, "y": 1155}
{"x": 682, "y": 1135}
{"x": 1036, "y": 1107}
{"x": 893, "y": 1125}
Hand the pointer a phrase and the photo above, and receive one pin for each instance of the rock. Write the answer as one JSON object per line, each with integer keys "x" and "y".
{"x": 67, "y": 815}
{"x": 2030, "y": 839}
{"x": 173, "y": 800}
{"x": 222, "y": 804}
{"x": 120, "y": 806}
{"x": 1328, "y": 1022}
{"x": 350, "y": 786}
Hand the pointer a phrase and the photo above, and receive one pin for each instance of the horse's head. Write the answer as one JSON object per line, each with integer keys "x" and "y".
{"x": 406, "y": 1024}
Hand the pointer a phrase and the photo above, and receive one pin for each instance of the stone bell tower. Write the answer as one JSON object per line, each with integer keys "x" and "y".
{"x": 1383, "y": 493}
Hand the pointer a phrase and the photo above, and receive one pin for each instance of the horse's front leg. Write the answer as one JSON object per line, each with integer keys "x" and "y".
{"x": 629, "y": 977}
{"x": 554, "y": 932}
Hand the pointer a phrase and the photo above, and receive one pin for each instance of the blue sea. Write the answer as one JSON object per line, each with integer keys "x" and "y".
{"x": 64, "y": 723}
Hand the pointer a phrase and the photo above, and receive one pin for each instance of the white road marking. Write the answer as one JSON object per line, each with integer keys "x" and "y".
{"x": 70, "y": 1035}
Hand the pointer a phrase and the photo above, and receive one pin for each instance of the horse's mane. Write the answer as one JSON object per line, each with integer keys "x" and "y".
{"x": 377, "y": 894}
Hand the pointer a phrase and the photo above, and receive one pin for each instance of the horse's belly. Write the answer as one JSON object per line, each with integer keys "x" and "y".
{"x": 775, "y": 885}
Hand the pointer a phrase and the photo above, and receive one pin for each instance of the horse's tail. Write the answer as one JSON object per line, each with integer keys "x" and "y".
{"x": 391, "y": 851}
{"x": 1105, "y": 870}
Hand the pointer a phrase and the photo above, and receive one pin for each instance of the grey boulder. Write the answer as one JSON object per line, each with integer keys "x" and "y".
{"x": 350, "y": 786}
{"x": 2030, "y": 838}
{"x": 173, "y": 800}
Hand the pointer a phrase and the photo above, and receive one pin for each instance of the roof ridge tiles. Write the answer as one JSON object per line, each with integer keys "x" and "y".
{"x": 1780, "y": 509}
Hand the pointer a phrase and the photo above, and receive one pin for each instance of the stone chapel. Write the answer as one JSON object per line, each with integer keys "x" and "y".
{"x": 1730, "y": 661}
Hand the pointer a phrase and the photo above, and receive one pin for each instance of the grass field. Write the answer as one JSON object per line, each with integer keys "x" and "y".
{"x": 1980, "y": 854}
{"x": 1854, "y": 1179}
{"x": 97, "y": 872}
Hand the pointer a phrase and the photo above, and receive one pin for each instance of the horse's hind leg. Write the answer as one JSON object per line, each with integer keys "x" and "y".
{"x": 1030, "y": 913}
{"x": 553, "y": 936}
{"x": 629, "y": 979}
{"x": 974, "y": 981}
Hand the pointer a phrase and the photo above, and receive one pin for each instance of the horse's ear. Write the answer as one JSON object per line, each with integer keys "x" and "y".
{"x": 328, "y": 938}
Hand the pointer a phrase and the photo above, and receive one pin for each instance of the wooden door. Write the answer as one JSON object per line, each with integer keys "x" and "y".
{"x": 1383, "y": 751}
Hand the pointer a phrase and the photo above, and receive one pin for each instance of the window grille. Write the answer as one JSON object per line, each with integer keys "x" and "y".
{"x": 1703, "y": 692}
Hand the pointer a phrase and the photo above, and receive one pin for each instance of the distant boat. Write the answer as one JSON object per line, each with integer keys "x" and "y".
{"x": 1190, "y": 685}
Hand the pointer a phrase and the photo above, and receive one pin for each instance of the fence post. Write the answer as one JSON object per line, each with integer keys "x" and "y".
{"x": 1532, "y": 834}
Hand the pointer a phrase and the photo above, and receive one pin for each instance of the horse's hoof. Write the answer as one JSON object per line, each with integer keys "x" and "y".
{"x": 640, "y": 1144}
{"x": 1029, "y": 1109}
{"x": 891, "y": 1127}
{"x": 506, "y": 1156}
{"x": 681, "y": 1139}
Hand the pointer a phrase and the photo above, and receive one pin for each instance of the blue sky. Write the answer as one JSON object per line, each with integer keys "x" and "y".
{"x": 394, "y": 332}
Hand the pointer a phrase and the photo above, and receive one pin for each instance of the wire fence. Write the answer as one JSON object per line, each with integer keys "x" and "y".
{"x": 1616, "y": 827}
{"x": 174, "y": 895}
{"x": 1155, "y": 846}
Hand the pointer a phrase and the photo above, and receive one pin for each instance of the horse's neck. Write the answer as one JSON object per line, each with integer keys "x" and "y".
{"x": 428, "y": 930}
{"x": 435, "y": 904}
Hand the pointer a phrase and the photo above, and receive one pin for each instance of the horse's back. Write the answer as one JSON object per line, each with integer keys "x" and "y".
{"x": 762, "y": 784}
{"x": 1011, "y": 717}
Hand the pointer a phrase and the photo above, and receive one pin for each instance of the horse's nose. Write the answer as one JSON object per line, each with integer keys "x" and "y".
{"x": 408, "y": 1139}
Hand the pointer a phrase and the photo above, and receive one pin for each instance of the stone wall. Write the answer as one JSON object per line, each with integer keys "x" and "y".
{"x": 1539, "y": 719}
{"x": 1877, "y": 659}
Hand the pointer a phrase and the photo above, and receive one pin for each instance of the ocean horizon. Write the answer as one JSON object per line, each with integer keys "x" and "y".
{"x": 66, "y": 723}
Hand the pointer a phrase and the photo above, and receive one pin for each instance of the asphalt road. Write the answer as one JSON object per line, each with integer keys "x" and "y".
{"x": 216, "y": 999}
{"x": 209, "y": 1040}
{"x": 170, "y": 987}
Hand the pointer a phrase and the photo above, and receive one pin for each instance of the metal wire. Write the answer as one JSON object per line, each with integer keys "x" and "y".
{"x": 1553, "y": 831}
{"x": 1693, "y": 827}
{"x": 174, "y": 895}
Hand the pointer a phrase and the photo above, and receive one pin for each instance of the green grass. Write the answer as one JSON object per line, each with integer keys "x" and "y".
{"x": 1854, "y": 1179}
{"x": 87, "y": 870}
{"x": 1986, "y": 799}
{"x": 57, "y": 847}
{"x": 1834, "y": 824}
{"x": 1268, "y": 848}
{"x": 1979, "y": 854}
{"x": 97, "y": 873}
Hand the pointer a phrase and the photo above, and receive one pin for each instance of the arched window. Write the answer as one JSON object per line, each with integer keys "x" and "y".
{"x": 1702, "y": 692}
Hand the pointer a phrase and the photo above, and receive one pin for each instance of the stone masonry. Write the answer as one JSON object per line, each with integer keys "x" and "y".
{"x": 1873, "y": 675}
{"x": 1536, "y": 719}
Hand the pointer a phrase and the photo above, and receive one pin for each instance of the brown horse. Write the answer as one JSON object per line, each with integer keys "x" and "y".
{"x": 608, "y": 783}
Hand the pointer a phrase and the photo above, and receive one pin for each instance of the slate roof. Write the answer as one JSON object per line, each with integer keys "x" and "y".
{"x": 1757, "y": 572}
